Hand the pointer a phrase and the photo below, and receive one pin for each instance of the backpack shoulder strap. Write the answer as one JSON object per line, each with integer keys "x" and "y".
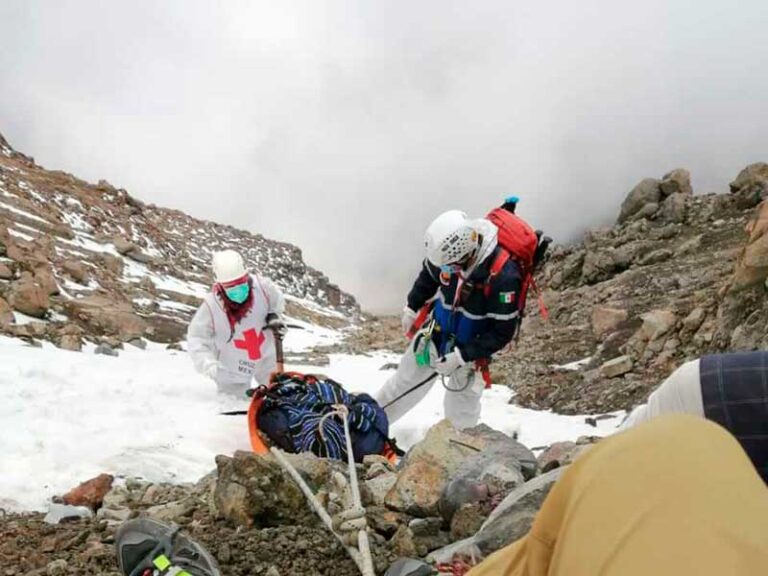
{"x": 498, "y": 265}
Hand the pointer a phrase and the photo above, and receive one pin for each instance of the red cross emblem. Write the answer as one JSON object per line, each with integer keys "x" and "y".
{"x": 251, "y": 342}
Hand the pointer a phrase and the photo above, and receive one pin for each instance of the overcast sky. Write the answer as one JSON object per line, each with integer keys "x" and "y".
{"x": 345, "y": 127}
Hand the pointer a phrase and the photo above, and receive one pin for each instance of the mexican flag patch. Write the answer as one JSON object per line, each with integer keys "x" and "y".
{"x": 506, "y": 297}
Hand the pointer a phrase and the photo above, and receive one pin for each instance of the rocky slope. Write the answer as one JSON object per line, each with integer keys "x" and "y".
{"x": 678, "y": 276}
{"x": 443, "y": 492}
{"x": 96, "y": 263}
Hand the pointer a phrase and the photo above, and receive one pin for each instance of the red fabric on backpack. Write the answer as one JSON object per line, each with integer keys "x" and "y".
{"x": 518, "y": 241}
{"x": 516, "y": 237}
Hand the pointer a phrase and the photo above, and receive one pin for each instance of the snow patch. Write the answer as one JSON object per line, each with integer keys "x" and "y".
{"x": 573, "y": 366}
{"x": 19, "y": 234}
{"x": 76, "y": 222}
{"x": 24, "y": 213}
{"x": 67, "y": 416}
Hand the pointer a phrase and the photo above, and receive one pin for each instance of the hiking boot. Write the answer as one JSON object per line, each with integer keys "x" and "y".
{"x": 146, "y": 547}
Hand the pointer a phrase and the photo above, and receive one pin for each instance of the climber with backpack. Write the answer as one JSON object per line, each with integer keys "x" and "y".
{"x": 466, "y": 305}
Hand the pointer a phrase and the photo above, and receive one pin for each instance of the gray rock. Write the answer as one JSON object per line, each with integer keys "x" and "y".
{"x": 513, "y": 517}
{"x": 657, "y": 323}
{"x": 557, "y": 455}
{"x": 676, "y": 182}
{"x": 616, "y": 367}
{"x": 254, "y": 490}
{"x": 606, "y": 319}
{"x": 751, "y": 185}
{"x": 139, "y": 343}
{"x": 690, "y": 246}
{"x": 646, "y": 212}
{"x": 674, "y": 208}
{"x": 656, "y": 257}
{"x": 380, "y": 485}
{"x": 508, "y": 522}
{"x": 106, "y": 350}
{"x": 58, "y": 567}
{"x": 494, "y": 471}
{"x": 694, "y": 320}
{"x": 646, "y": 192}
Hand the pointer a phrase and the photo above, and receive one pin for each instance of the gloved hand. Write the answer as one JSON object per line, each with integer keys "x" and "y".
{"x": 407, "y": 319}
{"x": 448, "y": 364}
{"x": 211, "y": 369}
{"x": 275, "y": 323}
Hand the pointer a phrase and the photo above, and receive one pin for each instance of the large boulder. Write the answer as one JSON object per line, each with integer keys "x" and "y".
{"x": 508, "y": 522}
{"x": 431, "y": 463}
{"x": 253, "y": 490}
{"x": 514, "y": 516}
{"x": 29, "y": 297}
{"x": 107, "y": 316}
{"x": 676, "y": 182}
{"x": 648, "y": 191}
{"x": 491, "y": 473}
{"x": 751, "y": 185}
{"x": 752, "y": 265}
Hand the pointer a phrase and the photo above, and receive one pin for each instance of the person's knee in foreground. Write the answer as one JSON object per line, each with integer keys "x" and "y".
{"x": 473, "y": 282}
{"x": 674, "y": 496}
{"x": 729, "y": 389}
{"x": 231, "y": 337}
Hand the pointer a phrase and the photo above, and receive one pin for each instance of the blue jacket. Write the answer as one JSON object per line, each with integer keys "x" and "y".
{"x": 476, "y": 323}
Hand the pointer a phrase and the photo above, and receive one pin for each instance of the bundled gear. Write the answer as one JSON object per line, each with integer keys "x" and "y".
{"x": 146, "y": 547}
{"x": 296, "y": 413}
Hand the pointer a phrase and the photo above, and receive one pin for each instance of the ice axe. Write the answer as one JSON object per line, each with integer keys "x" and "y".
{"x": 274, "y": 324}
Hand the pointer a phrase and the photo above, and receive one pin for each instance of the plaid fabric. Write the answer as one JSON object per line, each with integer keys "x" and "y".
{"x": 305, "y": 403}
{"x": 734, "y": 389}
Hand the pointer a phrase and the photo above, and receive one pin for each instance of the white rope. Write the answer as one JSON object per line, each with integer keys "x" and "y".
{"x": 353, "y": 552}
{"x": 362, "y": 535}
{"x": 348, "y": 520}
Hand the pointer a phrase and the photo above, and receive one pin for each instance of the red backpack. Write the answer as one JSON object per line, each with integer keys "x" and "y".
{"x": 519, "y": 243}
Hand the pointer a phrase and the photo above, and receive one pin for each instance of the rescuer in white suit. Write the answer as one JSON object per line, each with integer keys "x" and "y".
{"x": 231, "y": 338}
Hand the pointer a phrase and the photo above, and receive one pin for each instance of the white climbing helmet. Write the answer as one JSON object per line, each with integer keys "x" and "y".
{"x": 228, "y": 265}
{"x": 450, "y": 238}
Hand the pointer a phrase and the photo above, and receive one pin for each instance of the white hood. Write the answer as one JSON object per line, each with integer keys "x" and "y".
{"x": 490, "y": 235}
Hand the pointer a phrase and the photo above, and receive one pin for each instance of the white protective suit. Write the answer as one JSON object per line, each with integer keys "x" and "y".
{"x": 233, "y": 358}
{"x": 678, "y": 394}
{"x": 464, "y": 389}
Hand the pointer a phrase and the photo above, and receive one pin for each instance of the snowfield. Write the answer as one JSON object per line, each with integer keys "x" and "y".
{"x": 68, "y": 416}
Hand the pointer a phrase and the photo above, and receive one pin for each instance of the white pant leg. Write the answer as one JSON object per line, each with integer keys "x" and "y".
{"x": 408, "y": 375}
{"x": 463, "y": 408}
{"x": 679, "y": 394}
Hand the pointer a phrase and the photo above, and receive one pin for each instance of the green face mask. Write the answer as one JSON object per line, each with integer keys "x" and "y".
{"x": 239, "y": 293}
